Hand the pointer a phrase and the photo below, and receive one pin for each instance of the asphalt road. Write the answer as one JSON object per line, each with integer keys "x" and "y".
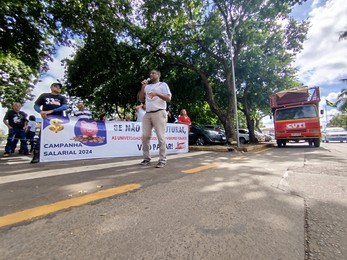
{"x": 275, "y": 203}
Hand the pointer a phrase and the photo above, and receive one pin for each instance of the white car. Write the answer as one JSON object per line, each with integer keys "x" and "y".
{"x": 260, "y": 137}
{"x": 244, "y": 136}
{"x": 338, "y": 134}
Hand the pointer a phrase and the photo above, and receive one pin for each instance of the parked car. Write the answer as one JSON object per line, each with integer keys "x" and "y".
{"x": 202, "y": 135}
{"x": 260, "y": 136}
{"x": 268, "y": 138}
{"x": 243, "y": 133}
{"x": 215, "y": 127}
{"x": 338, "y": 134}
{"x": 244, "y": 136}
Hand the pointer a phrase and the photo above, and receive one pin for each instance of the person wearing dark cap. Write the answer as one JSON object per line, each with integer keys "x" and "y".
{"x": 52, "y": 103}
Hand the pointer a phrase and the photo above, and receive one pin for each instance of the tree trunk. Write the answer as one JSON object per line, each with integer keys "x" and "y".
{"x": 250, "y": 122}
{"x": 227, "y": 117}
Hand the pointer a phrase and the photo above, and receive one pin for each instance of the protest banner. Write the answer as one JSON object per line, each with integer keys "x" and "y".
{"x": 64, "y": 138}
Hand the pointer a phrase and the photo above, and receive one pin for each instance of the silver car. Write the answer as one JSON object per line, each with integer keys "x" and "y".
{"x": 338, "y": 134}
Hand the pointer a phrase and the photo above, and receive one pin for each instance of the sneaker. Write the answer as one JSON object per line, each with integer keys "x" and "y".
{"x": 6, "y": 155}
{"x": 160, "y": 165}
{"x": 145, "y": 162}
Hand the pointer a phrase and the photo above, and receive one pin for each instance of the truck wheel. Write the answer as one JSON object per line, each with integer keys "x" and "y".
{"x": 316, "y": 142}
{"x": 280, "y": 143}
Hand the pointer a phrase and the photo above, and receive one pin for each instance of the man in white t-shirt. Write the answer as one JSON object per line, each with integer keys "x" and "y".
{"x": 155, "y": 94}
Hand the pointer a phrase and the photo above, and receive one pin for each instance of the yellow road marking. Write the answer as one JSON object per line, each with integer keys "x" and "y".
{"x": 201, "y": 168}
{"x": 64, "y": 204}
{"x": 263, "y": 150}
{"x": 238, "y": 158}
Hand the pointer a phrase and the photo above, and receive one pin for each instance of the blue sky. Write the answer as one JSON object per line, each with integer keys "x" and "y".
{"x": 323, "y": 61}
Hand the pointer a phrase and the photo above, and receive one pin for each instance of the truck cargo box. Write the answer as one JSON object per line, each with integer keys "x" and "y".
{"x": 296, "y": 96}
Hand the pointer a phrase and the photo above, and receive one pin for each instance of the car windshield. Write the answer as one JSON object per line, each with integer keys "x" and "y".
{"x": 296, "y": 113}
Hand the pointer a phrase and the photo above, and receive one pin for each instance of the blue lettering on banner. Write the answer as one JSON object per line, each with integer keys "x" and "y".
{"x": 74, "y": 152}
{"x": 63, "y": 145}
{"x": 176, "y": 129}
{"x": 169, "y": 146}
{"x": 57, "y": 153}
{"x": 118, "y": 128}
{"x": 133, "y": 128}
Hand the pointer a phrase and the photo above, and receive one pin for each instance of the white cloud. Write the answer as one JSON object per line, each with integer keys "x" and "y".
{"x": 324, "y": 57}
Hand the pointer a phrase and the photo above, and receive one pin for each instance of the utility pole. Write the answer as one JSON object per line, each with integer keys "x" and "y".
{"x": 235, "y": 98}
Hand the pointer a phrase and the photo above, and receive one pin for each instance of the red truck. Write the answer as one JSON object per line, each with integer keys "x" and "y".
{"x": 296, "y": 115}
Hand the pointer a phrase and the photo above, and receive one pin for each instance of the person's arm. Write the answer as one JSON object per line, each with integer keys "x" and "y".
{"x": 137, "y": 108}
{"x": 63, "y": 107}
{"x": 164, "y": 94}
{"x": 166, "y": 97}
{"x": 6, "y": 122}
{"x": 25, "y": 124}
{"x": 144, "y": 83}
{"x": 37, "y": 108}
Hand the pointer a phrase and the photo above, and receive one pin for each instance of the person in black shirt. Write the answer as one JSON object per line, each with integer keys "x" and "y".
{"x": 16, "y": 121}
{"x": 49, "y": 104}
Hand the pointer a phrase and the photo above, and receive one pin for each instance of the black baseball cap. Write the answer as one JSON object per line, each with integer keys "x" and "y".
{"x": 57, "y": 84}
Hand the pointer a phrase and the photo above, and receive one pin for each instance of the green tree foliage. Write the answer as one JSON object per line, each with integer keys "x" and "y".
{"x": 15, "y": 81}
{"x": 107, "y": 68}
{"x": 339, "y": 120}
{"x": 2, "y": 135}
{"x": 199, "y": 36}
{"x": 106, "y": 73}
{"x": 193, "y": 43}
{"x": 26, "y": 31}
{"x": 264, "y": 67}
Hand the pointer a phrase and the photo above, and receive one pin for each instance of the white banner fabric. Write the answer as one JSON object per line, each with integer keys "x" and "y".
{"x": 64, "y": 139}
